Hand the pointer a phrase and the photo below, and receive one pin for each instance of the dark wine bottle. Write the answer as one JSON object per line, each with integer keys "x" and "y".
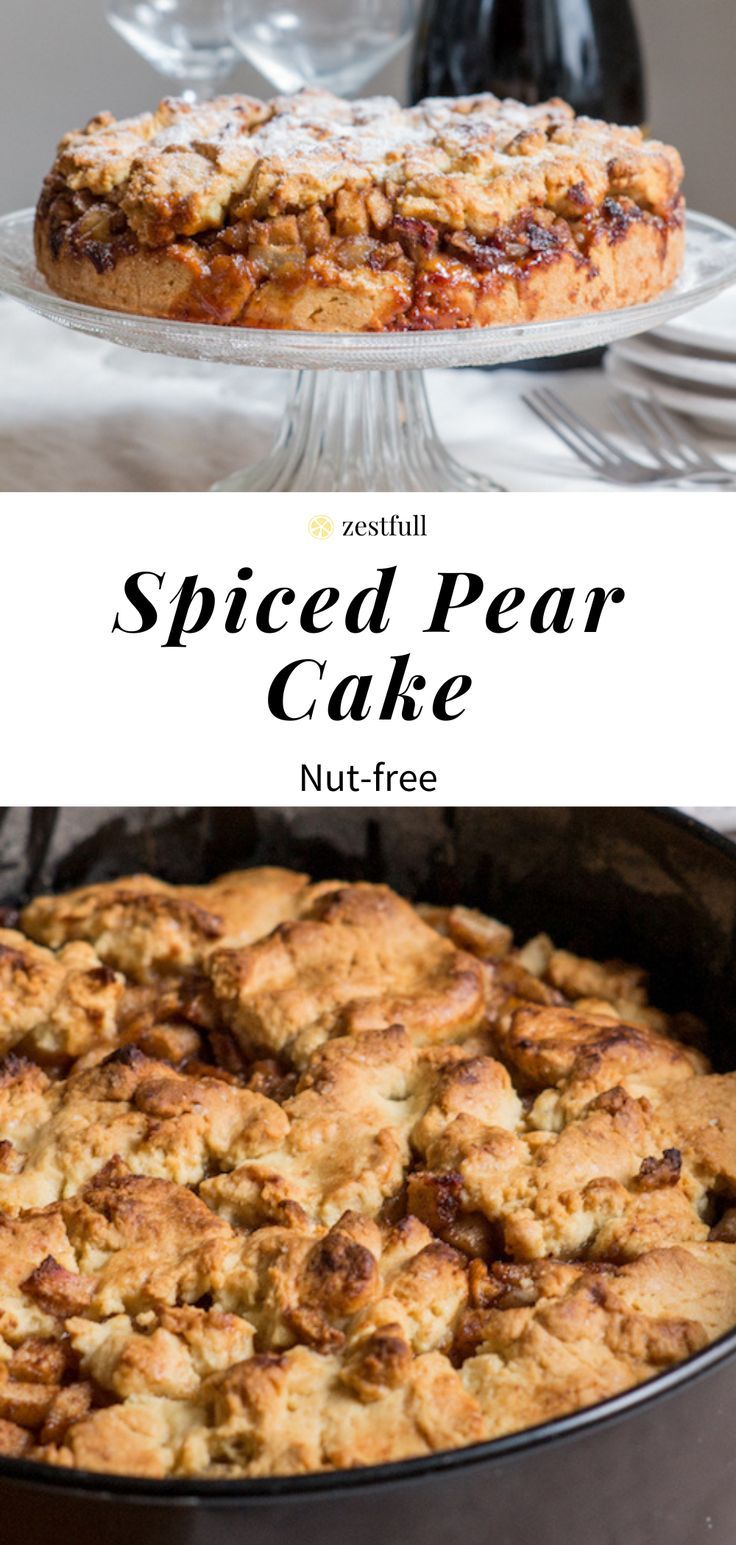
{"x": 586, "y": 51}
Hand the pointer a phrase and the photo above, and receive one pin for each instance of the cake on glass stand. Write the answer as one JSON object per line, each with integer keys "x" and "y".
{"x": 358, "y": 415}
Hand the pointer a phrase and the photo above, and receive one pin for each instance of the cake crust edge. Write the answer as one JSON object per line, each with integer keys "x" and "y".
{"x": 180, "y": 283}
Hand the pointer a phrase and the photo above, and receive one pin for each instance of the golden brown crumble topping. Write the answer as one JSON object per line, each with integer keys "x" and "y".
{"x": 296, "y": 1177}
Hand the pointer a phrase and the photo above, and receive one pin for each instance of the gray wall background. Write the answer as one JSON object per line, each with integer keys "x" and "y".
{"x": 60, "y": 63}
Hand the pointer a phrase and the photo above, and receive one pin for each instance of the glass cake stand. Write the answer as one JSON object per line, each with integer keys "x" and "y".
{"x": 358, "y": 418}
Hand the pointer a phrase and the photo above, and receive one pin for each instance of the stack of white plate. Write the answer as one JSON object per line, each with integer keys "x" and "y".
{"x": 688, "y": 365}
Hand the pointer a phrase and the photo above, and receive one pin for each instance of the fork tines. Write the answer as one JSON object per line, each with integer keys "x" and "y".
{"x": 673, "y": 455}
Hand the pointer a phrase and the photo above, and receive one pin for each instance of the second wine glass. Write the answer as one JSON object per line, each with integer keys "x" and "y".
{"x": 330, "y": 44}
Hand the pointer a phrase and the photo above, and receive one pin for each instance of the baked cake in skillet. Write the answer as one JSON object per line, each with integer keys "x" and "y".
{"x": 317, "y": 214}
{"x": 297, "y": 1177}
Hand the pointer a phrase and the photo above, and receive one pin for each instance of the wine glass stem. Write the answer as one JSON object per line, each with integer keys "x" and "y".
{"x": 197, "y": 90}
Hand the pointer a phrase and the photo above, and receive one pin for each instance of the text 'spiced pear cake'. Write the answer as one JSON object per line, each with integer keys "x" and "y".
{"x": 296, "y": 1177}
{"x": 318, "y": 214}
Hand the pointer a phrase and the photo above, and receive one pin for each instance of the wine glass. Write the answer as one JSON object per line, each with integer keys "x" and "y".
{"x": 333, "y": 44}
{"x": 186, "y": 40}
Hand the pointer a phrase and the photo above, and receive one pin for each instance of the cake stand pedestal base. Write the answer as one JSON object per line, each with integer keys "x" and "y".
{"x": 370, "y": 431}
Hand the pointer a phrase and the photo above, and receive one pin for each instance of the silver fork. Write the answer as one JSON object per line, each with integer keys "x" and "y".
{"x": 677, "y": 457}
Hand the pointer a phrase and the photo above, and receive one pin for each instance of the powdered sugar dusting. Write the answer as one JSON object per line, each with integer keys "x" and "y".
{"x": 317, "y": 128}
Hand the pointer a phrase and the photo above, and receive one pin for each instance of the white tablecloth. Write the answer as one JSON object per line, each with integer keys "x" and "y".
{"x": 77, "y": 414}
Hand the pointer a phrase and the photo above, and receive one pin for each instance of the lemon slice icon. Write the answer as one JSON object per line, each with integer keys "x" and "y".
{"x": 321, "y": 527}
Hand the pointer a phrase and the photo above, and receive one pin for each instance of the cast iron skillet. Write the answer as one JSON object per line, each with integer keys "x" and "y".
{"x": 656, "y": 1466}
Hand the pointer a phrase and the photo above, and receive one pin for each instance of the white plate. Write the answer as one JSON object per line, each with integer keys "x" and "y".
{"x": 716, "y": 414}
{"x": 672, "y": 360}
{"x": 712, "y": 326}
